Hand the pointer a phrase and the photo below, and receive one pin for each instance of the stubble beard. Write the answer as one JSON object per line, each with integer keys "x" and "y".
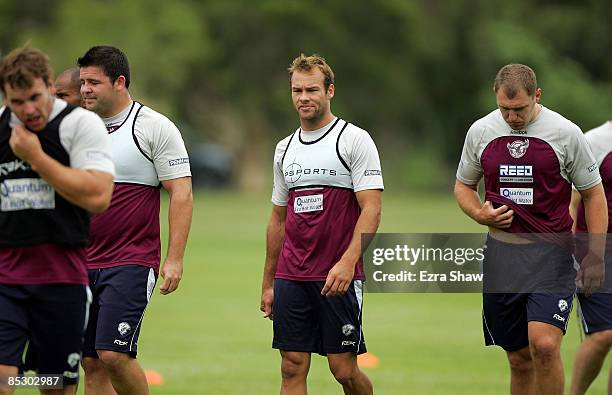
{"x": 315, "y": 117}
{"x": 101, "y": 107}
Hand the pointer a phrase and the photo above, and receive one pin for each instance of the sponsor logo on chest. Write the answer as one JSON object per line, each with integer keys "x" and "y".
{"x": 295, "y": 171}
{"x": 515, "y": 173}
{"x": 518, "y": 195}
{"x": 518, "y": 148}
{"x": 306, "y": 204}
{"x": 26, "y": 193}
{"x": 16, "y": 165}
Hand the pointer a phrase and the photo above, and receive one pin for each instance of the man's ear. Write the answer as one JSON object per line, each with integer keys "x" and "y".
{"x": 538, "y": 94}
{"x": 51, "y": 86}
{"x": 120, "y": 82}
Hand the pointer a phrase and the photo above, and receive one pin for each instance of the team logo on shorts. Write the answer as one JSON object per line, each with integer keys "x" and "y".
{"x": 348, "y": 329}
{"x": 518, "y": 148}
{"x": 562, "y": 305}
{"x": 124, "y": 328}
{"x": 73, "y": 359}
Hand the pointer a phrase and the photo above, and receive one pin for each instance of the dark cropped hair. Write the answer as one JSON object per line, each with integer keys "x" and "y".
{"x": 111, "y": 60}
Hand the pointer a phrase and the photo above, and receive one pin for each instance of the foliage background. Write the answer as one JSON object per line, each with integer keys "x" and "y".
{"x": 414, "y": 73}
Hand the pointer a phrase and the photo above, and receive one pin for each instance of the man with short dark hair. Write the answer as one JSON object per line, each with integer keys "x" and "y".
{"x": 55, "y": 168}
{"x": 68, "y": 86}
{"x": 327, "y": 193}
{"x": 529, "y": 157}
{"x": 124, "y": 256}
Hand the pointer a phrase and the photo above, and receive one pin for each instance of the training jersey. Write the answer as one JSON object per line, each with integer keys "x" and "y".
{"x": 48, "y": 244}
{"x": 316, "y": 175}
{"x": 600, "y": 141}
{"x": 531, "y": 170}
{"x": 147, "y": 149}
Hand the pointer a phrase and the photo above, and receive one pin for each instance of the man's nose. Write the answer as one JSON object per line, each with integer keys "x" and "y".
{"x": 29, "y": 108}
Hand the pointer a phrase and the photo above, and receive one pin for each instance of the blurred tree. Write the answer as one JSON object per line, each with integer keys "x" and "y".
{"x": 415, "y": 74}
{"x": 162, "y": 40}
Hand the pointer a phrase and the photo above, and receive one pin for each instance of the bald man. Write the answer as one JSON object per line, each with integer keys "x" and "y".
{"x": 68, "y": 86}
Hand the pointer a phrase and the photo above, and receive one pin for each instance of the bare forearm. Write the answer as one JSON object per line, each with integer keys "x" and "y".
{"x": 367, "y": 224}
{"x": 574, "y": 203}
{"x": 179, "y": 220}
{"x": 468, "y": 200}
{"x": 91, "y": 190}
{"x": 275, "y": 235}
{"x": 573, "y": 208}
{"x": 596, "y": 214}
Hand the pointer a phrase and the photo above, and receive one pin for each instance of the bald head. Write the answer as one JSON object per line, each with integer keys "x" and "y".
{"x": 68, "y": 86}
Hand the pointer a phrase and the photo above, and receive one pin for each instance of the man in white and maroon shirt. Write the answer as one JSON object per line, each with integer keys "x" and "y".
{"x": 55, "y": 168}
{"x": 124, "y": 256}
{"x": 327, "y": 188}
{"x": 595, "y": 310}
{"x": 529, "y": 157}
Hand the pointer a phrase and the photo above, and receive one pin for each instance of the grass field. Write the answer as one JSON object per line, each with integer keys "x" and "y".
{"x": 209, "y": 336}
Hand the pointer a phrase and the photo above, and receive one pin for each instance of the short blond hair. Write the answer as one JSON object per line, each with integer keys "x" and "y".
{"x": 512, "y": 77}
{"x": 22, "y": 66}
{"x": 305, "y": 63}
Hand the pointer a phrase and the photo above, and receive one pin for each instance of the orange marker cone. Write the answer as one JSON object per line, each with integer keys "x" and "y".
{"x": 367, "y": 360}
{"x": 153, "y": 377}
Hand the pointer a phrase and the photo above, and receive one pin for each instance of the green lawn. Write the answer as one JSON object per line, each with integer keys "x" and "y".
{"x": 209, "y": 336}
